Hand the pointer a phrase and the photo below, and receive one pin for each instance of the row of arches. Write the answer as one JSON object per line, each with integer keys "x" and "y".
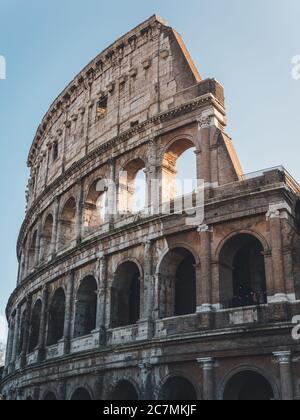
{"x": 242, "y": 284}
{"x": 104, "y": 199}
{"x": 247, "y": 385}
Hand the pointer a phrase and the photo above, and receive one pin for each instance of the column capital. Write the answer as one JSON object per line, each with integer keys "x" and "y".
{"x": 205, "y": 229}
{"x": 283, "y": 357}
{"x": 207, "y": 363}
{"x": 278, "y": 211}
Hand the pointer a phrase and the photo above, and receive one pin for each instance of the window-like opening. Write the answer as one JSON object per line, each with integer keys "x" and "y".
{"x": 35, "y": 326}
{"x": 179, "y": 170}
{"x": 56, "y": 319}
{"x": 55, "y": 151}
{"x": 177, "y": 280}
{"x": 126, "y": 296}
{"x": 178, "y": 389}
{"x": 67, "y": 224}
{"x": 248, "y": 386}
{"x": 102, "y": 108}
{"x": 86, "y": 307}
{"x": 242, "y": 272}
{"x": 81, "y": 394}
{"x": 124, "y": 391}
{"x": 133, "y": 188}
{"x": 134, "y": 124}
{"x": 95, "y": 207}
{"x": 46, "y": 239}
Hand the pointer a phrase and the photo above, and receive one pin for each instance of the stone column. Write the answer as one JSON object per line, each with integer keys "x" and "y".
{"x": 204, "y": 286}
{"x": 43, "y": 322}
{"x": 203, "y": 157}
{"x": 274, "y": 218}
{"x": 38, "y": 251}
{"x": 208, "y": 366}
{"x": 16, "y": 336}
{"x": 284, "y": 358}
{"x": 26, "y": 332}
{"x": 68, "y": 313}
{"x": 55, "y": 233}
{"x": 152, "y": 181}
{"x": 79, "y": 213}
{"x": 145, "y": 381}
{"x": 9, "y": 345}
{"x": 101, "y": 303}
{"x": 112, "y": 194}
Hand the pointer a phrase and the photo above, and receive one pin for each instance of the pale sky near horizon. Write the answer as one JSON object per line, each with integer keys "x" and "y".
{"x": 247, "y": 45}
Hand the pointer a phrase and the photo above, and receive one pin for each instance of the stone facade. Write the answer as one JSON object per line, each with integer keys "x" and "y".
{"x": 119, "y": 305}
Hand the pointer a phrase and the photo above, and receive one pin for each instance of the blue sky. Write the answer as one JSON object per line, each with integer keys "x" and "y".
{"x": 247, "y": 45}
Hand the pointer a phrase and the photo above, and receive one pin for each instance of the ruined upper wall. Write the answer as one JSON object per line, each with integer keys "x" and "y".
{"x": 139, "y": 76}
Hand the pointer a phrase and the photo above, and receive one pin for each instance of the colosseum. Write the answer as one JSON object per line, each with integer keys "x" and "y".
{"x": 131, "y": 295}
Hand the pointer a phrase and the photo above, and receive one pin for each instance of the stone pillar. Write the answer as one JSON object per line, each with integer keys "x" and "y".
{"x": 79, "y": 213}
{"x": 9, "y": 344}
{"x": 68, "y": 313}
{"x": 38, "y": 253}
{"x": 208, "y": 366}
{"x": 43, "y": 322}
{"x": 16, "y": 336}
{"x": 112, "y": 194}
{"x": 101, "y": 303}
{"x": 204, "y": 284}
{"x": 284, "y": 358}
{"x": 145, "y": 381}
{"x": 151, "y": 179}
{"x": 274, "y": 217}
{"x": 148, "y": 297}
{"x": 26, "y": 332}
{"x": 55, "y": 233}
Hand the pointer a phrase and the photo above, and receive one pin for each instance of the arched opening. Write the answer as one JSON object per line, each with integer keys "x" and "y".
{"x": 86, "y": 307}
{"x": 124, "y": 391}
{"x": 56, "y": 318}
{"x": 242, "y": 272}
{"x": 177, "y": 284}
{"x": 177, "y": 389}
{"x": 81, "y": 394}
{"x": 125, "y": 295}
{"x": 133, "y": 188}
{"x": 35, "y": 326}
{"x": 67, "y": 224}
{"x": 95, "y": 206}
{"x": 46, "y": 239}
{"x": 179, "y": 170}
{"x": 32, "y": 251}
{"x": 50, "y": 396}
{"x": 22, "y": 333}
{"x": 248, "y": 386}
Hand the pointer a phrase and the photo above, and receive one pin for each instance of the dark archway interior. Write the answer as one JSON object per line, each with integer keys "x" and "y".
{"x": 178, "y": 389}
{"x": 32, "y": 251}
{"x": 56, "y": 318}
{"x": 242, "y": 273}
{"x": 86, "y": 307}
{"x": 126, "y": 295}
{"x": 35, "y": 326}
{"x": 50, "y": 397}
{"x": 124, "y": 391}
{"x": 81, "y": 394}
{"x": 178, "y": 289}
{"x": 248, "y": 386}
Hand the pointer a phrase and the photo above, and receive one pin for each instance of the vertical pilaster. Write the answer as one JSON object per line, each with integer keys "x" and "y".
{"x": 101, "y": 304}
{"x": 16, "y": 336}
{"x": 55, "y": 233}
{"x": 204, "y": 284}
{"x": 284, "y": 359}
{"x": 43, "y": 322}
{"x": 79, "y": 213}
{"x": 208, "y": 367}
{"x": 145, "y": 381}
{"x": 26, "y": 332}
{"x": 69, "y": 313}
